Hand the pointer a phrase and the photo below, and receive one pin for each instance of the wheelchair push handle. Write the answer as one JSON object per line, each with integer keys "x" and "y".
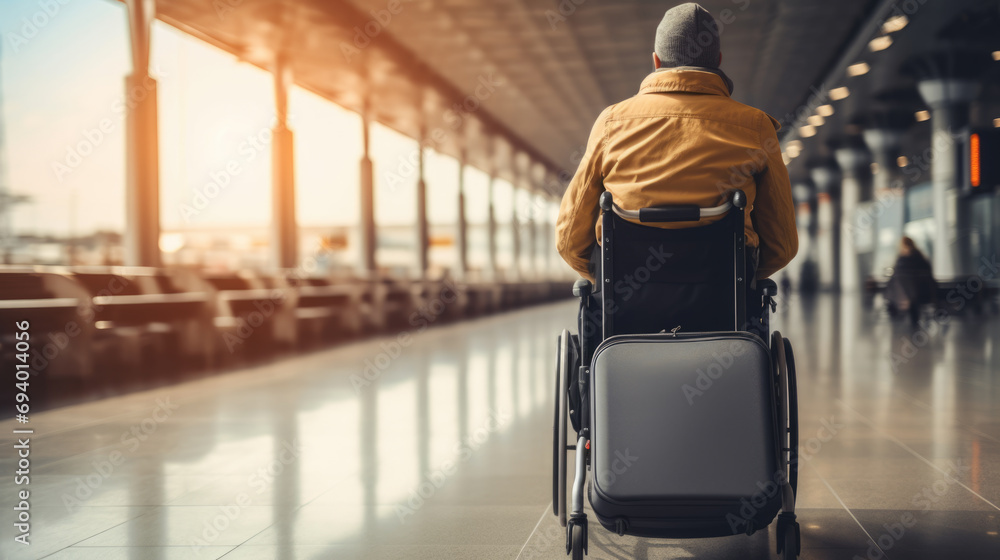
{"x": 673, "y": 213}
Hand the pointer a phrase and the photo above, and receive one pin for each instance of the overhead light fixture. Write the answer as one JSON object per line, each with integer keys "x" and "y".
{"x": 880, "y": 43}
{"x": 824, "y": 110}
{"x": 858, "y": 69}
{"x": 902, "y": 161}
{"x": 807, "y": 131}
{"x": 996, "y": 123}
{"x": 922, "y": 116}
{"x": 895, "y": 23}
{"x": 836, "y": 94}
{"x": 816, "y": 120}
{"x": 785, "y": 158}
{"x": 996, "y": 55}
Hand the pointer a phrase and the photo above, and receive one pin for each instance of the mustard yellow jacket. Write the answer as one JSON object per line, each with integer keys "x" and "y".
{"x": 682, "y": 140}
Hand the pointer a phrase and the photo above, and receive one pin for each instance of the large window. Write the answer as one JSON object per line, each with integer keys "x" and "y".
{"x": 395, "y": 159}
{"x": 328, "y": 154}
{"x": 477, "y": 216}
{"x": 216, "y": 115}
{"x": 442, "y": 211}
{"x": 503, "y": 208}
{"x": 524, "y": 213}
{"x": 62, "y": 90}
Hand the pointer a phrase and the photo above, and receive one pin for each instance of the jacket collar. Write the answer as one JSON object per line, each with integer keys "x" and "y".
{"x": 687, "y": 79}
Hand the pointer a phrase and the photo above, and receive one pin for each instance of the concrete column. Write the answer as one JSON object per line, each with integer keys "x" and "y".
{"x": 423, "y": 227}
{"x": 532, "y": 224}
{"x": 883, "y": 143}
{"x": 552, "y": 257}
{"x": 491, "y": 227}
{"x": 515, "y": 228}
{"x": 804, "y": 193}
{"x": 827, "y": 180}
{"x": 142, "y": 165}
{"x": 368, "y": 239}
{"x": 949, "y": 100}
{"x": 854, "y": 164}
{"x": 462, "y": 226}
{"x": 285, "y": 233}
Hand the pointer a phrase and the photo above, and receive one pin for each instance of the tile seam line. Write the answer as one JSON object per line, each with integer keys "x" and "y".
{"x": 532, "y": 533}
{"x": 98, "y": 533}
{"x": 847, "y": 509}
{"x": 910, "y": 450}
{"x": 959, "y": 424}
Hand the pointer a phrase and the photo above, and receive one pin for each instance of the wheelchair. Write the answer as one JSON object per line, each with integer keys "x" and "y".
{"x": 683, "y": 405}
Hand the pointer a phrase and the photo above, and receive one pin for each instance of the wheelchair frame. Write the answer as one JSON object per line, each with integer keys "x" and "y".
{"x": 782, "y": 362}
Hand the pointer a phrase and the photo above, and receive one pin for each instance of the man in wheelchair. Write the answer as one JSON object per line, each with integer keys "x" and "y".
{"x": 691, "y": 203}
{"x": 682, "y": 141}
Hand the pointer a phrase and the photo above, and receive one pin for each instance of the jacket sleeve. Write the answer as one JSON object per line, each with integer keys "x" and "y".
{"x": 774, "y": 211}
{"x": 579, "y": 209}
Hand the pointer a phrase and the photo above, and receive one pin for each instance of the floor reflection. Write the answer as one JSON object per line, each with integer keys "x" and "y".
{"x": 438, "y": 446}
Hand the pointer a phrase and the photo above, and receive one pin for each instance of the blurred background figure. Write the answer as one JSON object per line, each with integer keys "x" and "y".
{"x": 912, "y": 282}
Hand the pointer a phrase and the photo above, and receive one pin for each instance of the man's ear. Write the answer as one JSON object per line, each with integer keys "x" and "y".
{"x": 656, "y": 62}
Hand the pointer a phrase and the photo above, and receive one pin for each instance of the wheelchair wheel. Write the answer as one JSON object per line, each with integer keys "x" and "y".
{"x": 791, "y": 548}
{"x": 779, "y": 365}
{"x": 784, "y": 404}
{"x": 559, "y": 428}
{"x": 793, "y": 418}
{"x": 578, "y": 544}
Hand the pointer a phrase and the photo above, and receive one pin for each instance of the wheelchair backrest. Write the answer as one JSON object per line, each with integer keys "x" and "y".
{"x": 655, "y": 279}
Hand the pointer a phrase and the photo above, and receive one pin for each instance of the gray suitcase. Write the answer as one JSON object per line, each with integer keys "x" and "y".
{"x": 684, "y": 435}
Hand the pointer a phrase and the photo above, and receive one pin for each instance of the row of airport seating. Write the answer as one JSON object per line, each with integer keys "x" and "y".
{"x": 103, "y": 331}
{"x": 966, "y": 294}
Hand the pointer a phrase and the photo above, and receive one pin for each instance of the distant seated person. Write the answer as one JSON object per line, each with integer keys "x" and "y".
{"x": 683, "y": 140}
{"x": 912, "y": 283}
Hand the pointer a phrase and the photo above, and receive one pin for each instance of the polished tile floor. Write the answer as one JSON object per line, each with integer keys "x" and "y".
{"x": 436, "y": 445}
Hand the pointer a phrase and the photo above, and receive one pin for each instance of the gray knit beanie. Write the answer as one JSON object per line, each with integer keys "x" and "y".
{"x": 687, "y": 36}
